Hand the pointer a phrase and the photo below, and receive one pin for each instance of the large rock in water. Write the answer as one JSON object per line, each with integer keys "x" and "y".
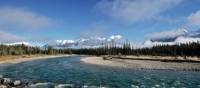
{"x": 17, "y": 83}
{"x": 65, "y": 86}
{"x": 7, "y": 81}
{"x": 42, "y": 85}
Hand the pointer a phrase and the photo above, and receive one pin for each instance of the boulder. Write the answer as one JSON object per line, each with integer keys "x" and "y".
{"x": 8, "y": 81}
{"x": 42, "y": 85}
{"x": 17, "y": 83}
{"x": 65, "y": 86}
{"x": 1, "y": 81}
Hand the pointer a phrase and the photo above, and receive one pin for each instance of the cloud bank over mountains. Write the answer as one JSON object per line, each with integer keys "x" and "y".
{"x": 77, "y": 43}
{"x": 169, "y": 35}
{"x": 86, "y": 42}
{"x": 177, "y": 36}
{"x": 172, "y": 37}
{"x": 128, "y": 11}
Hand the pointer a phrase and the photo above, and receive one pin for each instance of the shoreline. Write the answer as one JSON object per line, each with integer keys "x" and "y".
{"x": 24, "y": 58}
{"x": 141, "y": 64}
{"x": 160, "y": 58}
{"x": 135, "y": 63}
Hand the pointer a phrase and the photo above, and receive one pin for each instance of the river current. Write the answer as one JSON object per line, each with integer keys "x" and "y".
{"x": 71, "y": 69}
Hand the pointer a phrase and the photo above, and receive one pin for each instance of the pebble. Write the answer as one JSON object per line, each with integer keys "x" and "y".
{"x": 3, "y": 86}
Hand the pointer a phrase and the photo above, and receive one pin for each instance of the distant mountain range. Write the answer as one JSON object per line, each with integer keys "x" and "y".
{"x": 91, "y": 42}
{"x": 172, "y": 37}
{"x": 169, "y": 37}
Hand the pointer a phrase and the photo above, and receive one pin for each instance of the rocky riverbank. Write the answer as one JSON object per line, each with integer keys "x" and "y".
{"x": 11, "y": 83}
{"x": 142, "y": 64}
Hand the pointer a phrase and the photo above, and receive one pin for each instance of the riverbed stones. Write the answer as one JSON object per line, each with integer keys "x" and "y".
{"x": 8, "y": 81}
{"x": 65, "y": 86}
{"x": 1, "y": 81}
{"x": 17, "y": 83}
{"x": 42, "y": 85}
{"x": 25, "y": 82}
{"x": 3, "y": 86}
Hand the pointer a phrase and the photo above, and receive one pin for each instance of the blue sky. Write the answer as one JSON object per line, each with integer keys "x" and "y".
{"x": 135, "y": 20}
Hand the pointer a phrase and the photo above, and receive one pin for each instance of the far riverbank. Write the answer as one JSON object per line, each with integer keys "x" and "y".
{"x": 23, "y": 58}
{"x": 143, "y": 62}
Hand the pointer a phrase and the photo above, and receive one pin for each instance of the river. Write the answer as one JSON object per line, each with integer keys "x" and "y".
{"x": 71, "y": 69}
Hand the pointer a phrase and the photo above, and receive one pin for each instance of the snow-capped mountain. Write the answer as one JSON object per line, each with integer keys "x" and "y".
{"x": 195, "y": 34}
{"x": 173, "y": 37}
{"x": 18, "y": 43}
{"x": 91, "y": 42}
{"x": 169, "y": 36}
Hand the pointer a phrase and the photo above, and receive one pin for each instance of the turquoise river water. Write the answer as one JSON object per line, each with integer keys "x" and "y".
{"x": 71, "y": 69}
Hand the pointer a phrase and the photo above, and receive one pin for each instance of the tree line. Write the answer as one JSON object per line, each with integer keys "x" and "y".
{"x": 188, "y": 49}
{"x": 27, "y": 50}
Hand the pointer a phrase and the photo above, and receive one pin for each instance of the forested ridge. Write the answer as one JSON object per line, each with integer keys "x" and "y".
{"x": 27, "y": 50}
{"x": 188, "y": 49}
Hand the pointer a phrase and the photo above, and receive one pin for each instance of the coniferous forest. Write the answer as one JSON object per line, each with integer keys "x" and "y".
{"x": 27, "y": 50}
{"x": 189, "y": 49}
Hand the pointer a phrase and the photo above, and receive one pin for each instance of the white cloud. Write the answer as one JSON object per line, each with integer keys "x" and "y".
{"x": 194, "y": 18}
{"x": 7, "y": 37}
{"x": 63, "y": 42}
{"x": 149, "y": 43}
{"x": 115, "y": 37}
{"x": 186, "y": 40}
{"x": 21, "y": 18}
{"x": 168, "y": 34}
{"x": 132, "y": 11}
{"x": 101, "y": 38}
{"x": 94, "y": 41}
